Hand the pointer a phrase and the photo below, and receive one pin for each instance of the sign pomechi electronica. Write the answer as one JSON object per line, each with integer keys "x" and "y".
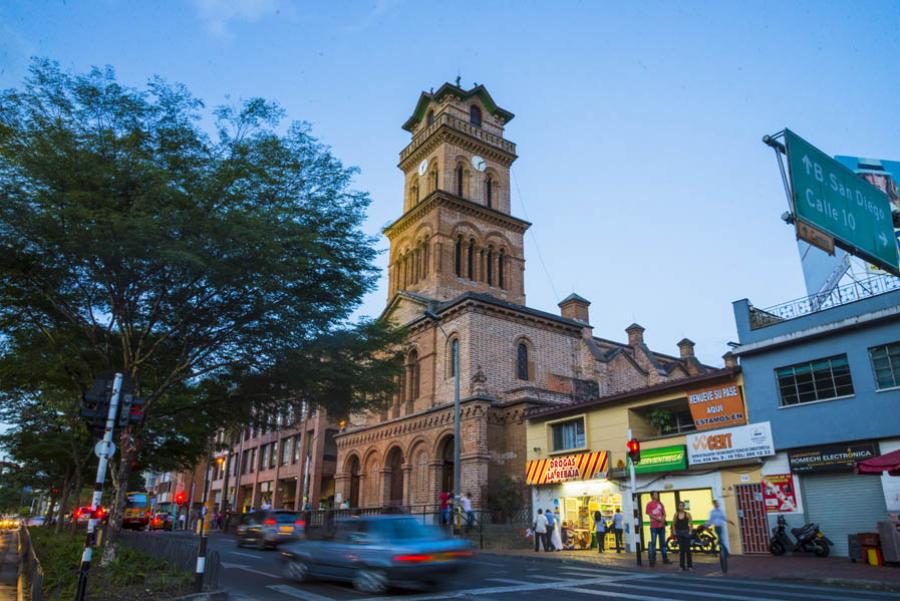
{"x": 829, "y": 197}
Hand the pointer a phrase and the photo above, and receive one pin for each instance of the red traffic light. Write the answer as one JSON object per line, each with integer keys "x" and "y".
{"x": 100, "y": 513}
{"x": 634, "y": 450}
{"x": 180, "y": 497}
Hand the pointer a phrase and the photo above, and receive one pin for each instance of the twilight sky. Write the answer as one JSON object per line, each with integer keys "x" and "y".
{"x": 638, "y": 127}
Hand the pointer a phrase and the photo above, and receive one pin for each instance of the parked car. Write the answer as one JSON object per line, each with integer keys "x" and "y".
{"x": 268, "y": 529}
{"x": 161, "y": 521}
{"x": 378, "y": 552}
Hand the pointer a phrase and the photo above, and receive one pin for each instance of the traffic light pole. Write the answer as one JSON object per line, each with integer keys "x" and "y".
{"x": 635, "y": 504}
{"x": 104, "y": 450}
{"x": 201, "y": 549}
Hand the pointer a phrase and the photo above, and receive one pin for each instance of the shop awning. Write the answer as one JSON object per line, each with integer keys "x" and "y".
{"x": 889, "y": 463}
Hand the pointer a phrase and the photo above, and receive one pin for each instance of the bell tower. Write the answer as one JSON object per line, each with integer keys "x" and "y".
{"x": 456, "y": 233}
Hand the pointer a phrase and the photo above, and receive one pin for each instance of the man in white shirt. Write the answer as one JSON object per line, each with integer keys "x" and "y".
{"x": 540, "y": 531}
{"x": 466, "y": 503}
{"x": 618, "y": 526}
{"x": 718, "y": 520}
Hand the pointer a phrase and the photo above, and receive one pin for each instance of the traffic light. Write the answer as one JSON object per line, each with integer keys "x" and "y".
{"x": 634, "y": 451}
{"x": 124, "y": 417}
{"x": 95, "y": 402}
{"x": 136, "y": 412}
{"x": 180, "y": 497}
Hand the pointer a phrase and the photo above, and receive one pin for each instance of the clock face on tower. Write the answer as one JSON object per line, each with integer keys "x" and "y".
{"x": 478, "y": 163}
{"x": 423, "y": 166}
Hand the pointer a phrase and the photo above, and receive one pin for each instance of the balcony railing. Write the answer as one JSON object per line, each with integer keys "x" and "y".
{"x": 459, "y": 125}
{"x": 841, "y": 295}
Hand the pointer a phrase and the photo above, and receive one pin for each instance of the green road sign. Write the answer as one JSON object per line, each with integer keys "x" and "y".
{"x": 663, "y": 459}
{"x": 829, "y": 196}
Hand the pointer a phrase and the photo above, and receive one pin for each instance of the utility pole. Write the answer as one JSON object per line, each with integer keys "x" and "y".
{"x": 201, "y": 550}
{"x": 104, "y": 450}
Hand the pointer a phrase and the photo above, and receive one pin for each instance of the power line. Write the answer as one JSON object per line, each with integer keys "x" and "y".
{"x": 537, "y": 246}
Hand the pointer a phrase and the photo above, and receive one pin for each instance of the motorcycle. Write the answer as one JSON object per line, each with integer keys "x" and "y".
{"x": 702, "y": 541}
{"x": 808, "y": 539}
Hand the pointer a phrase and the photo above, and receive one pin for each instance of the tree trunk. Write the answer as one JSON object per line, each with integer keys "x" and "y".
{"x": 63, "y": 499}
{"x": 77, "y": 491}
{"x": 119, "y": 477}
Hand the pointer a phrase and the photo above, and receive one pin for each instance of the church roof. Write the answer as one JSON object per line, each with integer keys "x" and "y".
{"x": 478, "y": 91}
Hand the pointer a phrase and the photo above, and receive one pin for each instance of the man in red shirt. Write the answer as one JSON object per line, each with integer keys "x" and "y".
{"x": 657, "y": 513}
{"x": 445, "y": 507}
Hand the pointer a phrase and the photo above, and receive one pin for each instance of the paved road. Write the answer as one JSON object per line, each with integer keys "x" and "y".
{"x": 251, "y": 574}
{"x": 9, "y": 564}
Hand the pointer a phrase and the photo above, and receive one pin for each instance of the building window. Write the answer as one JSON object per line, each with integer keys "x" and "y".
{"x": 263, "y": 456}
{"x": 489, "y": 192}
{"x": 454, "y": 357}
{"x": 814, "y": 381}
{"x": 475, "y": 116}
{"x": 490, "y": 266}
{"x": 522, "y": 361}
{"x": 430, "y": 119}
{"x": 458, "y": 257}
{"x": 296, "y": 456}
{"x": 413, "y": 369}
{"x": 273, "y": 455}
{"x": 568, "y": 435}
{"x": 501, "y": 270}
{"x": 459, "y": 180}
{"x": 886, "y": 363}
{"x": 252, "y": 462}
{"x": 470, "y": 267}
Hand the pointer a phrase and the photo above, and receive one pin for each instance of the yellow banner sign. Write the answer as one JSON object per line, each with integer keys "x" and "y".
{"x": 581, "y": 466}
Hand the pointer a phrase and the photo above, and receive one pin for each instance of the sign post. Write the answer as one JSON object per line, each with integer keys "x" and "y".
{"x": 830, "y": 198}
{"x": 104, "y": 450}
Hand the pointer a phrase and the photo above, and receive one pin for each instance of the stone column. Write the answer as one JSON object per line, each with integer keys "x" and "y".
{"x": 407, "y": 489}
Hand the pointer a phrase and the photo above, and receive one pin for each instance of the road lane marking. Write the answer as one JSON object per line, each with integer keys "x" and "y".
{"x": 806, "y": 587}
{"x": 694, "y": 593}
{"x": 494, "y": 590}
{"x": 246, "y": 568}
{"x": 506, "y": 581}
{"x": 726, "y": 586}
{"x": 608, "y": 594}
{"x": 597, "y": 569}
{"x": 296, "y": 593}
{"x": 554, "y": 578}
{"x": 245, "y": 554}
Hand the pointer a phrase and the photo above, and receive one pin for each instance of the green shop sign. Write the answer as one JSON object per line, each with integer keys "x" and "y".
{"x": 663, "y": 459}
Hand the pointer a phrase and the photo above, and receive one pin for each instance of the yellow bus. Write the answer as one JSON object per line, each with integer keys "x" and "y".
{"x": 137, "y": 510}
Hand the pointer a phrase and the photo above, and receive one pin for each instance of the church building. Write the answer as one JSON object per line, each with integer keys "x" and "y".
{"x": 457, "y": 281}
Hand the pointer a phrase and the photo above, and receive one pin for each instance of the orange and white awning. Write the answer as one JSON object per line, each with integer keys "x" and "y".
{"x": 581, "y": 466}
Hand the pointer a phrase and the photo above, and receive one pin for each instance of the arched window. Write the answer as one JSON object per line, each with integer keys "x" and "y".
{"x": 430, "y": 119}
{"x": 489, "y": 192}
{"x": 425, "y": 258}
{"x": 501, "y": 270}
{"x": 415, "y": 194}
{"x": 454, "y": 356}
{"x": 490, "y": 266}
{"x": 522, "y": 361}
{"x": 459, "y": 180}
{"x": 413, "y": 375}
{"x": 434, "y": 180}
{"x": 471, "y": 260}
{"x": 475, "y": 116}
{"x": 458, "y": 257}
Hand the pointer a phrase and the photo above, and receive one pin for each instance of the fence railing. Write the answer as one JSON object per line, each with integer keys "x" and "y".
{"x": 841, "y": 295}
{"x": 178, "y": 552}
{"x": 31, "y": 574}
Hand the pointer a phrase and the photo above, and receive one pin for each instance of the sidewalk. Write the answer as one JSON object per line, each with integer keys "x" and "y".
{"x": 9, "y": 565}
{"x": 831, "y": 570}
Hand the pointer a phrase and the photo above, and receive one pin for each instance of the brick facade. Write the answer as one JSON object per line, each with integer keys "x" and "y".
{"x": 511, "y": 357}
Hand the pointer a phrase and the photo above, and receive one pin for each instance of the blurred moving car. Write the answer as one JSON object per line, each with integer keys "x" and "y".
{"x": 9, "y": 523}
{"x": 378, "y": 552}
{"x": 37, "y": 520}
{"x": 268, "y": 529}
{"x": 161, "y": 521}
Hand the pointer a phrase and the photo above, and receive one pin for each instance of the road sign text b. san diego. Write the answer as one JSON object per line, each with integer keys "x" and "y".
{"x": 829, "y": 196}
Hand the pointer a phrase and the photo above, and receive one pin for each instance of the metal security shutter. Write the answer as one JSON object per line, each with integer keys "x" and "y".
{"x": 844, "y": 504}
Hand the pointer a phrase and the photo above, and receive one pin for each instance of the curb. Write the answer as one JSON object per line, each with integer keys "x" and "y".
{"x": 858, "y": 583}
{"x": 220, "y": 595}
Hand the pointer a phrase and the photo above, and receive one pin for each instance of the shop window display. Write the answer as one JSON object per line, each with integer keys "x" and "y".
{"x": 578, "y": 516}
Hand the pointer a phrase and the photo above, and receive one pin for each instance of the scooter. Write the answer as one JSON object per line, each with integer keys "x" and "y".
{"x": 808, "y": 538}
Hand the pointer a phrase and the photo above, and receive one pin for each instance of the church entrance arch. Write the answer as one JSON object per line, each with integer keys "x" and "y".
{"x": 353, "y": 469}
{"x": 394, "y": 464}
{"x": 445, "y": 454}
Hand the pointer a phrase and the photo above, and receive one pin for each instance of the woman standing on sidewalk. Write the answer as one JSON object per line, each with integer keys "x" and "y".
{"x": 600, "y": 529}
{"x": 681, "y": 528}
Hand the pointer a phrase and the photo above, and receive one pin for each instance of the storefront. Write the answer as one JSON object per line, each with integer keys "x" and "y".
{"x": 575, "y": 487}
{"x": 836, "y": 498}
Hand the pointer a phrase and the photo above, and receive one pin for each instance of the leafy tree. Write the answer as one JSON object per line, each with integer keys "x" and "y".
{"x": 200, "y": 265}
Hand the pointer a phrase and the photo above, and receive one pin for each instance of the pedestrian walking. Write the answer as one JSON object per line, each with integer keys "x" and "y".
{"x": 466, "y": 502}
{"x": 717, "y": 520}
{"x": 657, "y": 513}
{"x": 682, "y": 529}
{"x": 618, "y": 527}
{"x": 600, "y": 530}
{"x": 182, "y": 518}
{"x": 540, "y": 531}
{"x": 444, "y": 499}
{"x": 555, "y": 535}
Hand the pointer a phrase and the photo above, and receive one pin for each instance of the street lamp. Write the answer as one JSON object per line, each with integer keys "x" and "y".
{"x": 456, "y": 413}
